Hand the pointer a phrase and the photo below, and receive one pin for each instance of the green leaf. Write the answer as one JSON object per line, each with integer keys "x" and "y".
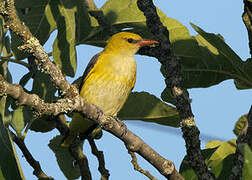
{"x": 5, "y": 114}
{"x": 246, "y": 68}
{"x": 247, "y": 166}
{"x": 223, "y": 169}
{"x": 207, "y": 60}
{"x": 146, "y": 107}
{"x": 1, "y": 34}
{"x": 223, "y": 150}
{"x": 71, "y": 20}
{"x": 222, "y": 60}
{"x": 185, "y": 169}
{"x": 9, "y": 164}
{"x": 239, "y": 125}
{"x": 117, "y": 13}
{"x": 38, "y": 17}
{"x": 64, "y": 53}
{"x": 20, "y": 117}
{"x": 42, "y": 124}
{"x": 43, "y": 87}
{"x": 64, "y": 159}
{"x": 4, "y": 100}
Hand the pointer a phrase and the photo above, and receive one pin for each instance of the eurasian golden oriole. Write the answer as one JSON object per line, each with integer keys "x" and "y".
{"x": 108, "y": 79}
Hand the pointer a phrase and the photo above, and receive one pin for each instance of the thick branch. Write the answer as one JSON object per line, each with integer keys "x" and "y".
{"x": 29, "y": 158}
{"x": 136, "y": 144}
{"x": 173, "y": 80}
{"x": 111, "y": 124}
{"x": 64, "y": 105}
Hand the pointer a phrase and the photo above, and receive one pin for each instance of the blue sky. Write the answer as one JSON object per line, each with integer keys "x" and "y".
{"x": 216, "y": 109}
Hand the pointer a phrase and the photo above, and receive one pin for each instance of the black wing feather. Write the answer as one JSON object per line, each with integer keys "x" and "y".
{"x": 90, "y": 65}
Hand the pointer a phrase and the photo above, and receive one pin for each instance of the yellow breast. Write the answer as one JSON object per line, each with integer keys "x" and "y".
{"x": 109, "y": 82}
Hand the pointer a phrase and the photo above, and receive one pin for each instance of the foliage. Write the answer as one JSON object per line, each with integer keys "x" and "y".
{"x": 206, "y": 60}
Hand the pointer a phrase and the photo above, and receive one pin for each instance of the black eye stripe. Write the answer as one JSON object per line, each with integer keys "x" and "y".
{"x": 132, "y": 41}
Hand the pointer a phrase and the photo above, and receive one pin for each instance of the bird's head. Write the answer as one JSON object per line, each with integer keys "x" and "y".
{"x": 127, "y": 43}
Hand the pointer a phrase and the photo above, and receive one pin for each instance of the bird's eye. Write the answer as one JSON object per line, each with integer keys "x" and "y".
{"x": 130, "y": 40}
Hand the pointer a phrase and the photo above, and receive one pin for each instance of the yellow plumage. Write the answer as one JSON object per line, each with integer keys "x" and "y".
{"x": 108, "y": 79}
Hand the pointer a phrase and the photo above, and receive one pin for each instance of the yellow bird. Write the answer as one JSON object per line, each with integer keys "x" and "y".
{"x": 108, "y": 79}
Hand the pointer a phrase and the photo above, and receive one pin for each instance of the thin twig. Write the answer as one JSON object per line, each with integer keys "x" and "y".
{"x": 81, "y": 159}
{"x": 61, "y": 124}
{"x": 29, "y": 158}
{"x": 75, "y": 150}
{"x": 173, "y": 80}
{"x": 138, "y": 168}
{"x": 99, "y": 16}
{"x": 8, "y": 59}
{"x": 100, "y": 156}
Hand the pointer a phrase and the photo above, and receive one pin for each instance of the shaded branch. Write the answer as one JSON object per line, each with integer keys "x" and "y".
{"x": 72, "y": 100}
{"x": 100, "y": 156}
{"x": 14, "y": 61}
{"x": 249, "y": 130}
{"x": 81, "y": 159}
{"x": 29, "y": 158}
{"x": 99, "y": 16}
{"x": 61, "y": 124}
{"x": 173, "y": 80}
{"x": 75, "y": 150}
{"x": 244, "y": 137}
{"x": 247, "y": 20}
{"x": 138, "y": 168}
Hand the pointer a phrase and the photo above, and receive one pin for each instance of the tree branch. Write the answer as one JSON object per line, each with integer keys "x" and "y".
{"x": 138, "y": 168}
{"x": 99, "y": 16}
{"x": 32, "y": 45}
{"x": 249, "y": 130}
{"x": 100, "y": 156}
{"x": 81, "y": 159}
{"x": 3, "y": 59}
{"x": 247, "y": 20}
{"x": 72, "y": 100}
{"x": 173, "y": 80}
{"x": 29, "y": 158}
{"x": 244, "y": 137}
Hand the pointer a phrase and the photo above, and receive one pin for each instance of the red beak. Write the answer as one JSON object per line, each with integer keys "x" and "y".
{"x": 147, "y": 42}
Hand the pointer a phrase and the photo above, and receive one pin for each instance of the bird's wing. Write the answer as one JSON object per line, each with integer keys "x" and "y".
{"x": 89, "y": 67}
